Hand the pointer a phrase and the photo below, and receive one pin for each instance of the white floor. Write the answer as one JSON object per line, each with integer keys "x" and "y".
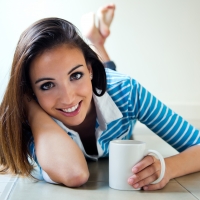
{"x": 6, "y": 185}
{"x": 7, "y": 181}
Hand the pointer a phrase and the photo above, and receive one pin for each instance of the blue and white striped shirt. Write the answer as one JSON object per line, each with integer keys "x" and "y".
{"x": 136, "y": 103}
{"x": 125, "y": 102}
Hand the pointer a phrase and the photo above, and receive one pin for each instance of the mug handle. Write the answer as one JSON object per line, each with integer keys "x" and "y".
{"x": 162, "y": 162}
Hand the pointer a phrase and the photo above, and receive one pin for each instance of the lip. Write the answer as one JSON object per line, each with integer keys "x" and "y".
{"x": 72, "y": 114}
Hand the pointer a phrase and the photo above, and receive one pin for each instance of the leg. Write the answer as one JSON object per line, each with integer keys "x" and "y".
{"x": 98, "y": 36}
{"x": 105, "y": 15}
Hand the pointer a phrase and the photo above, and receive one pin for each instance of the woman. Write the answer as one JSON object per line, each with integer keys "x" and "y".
{"x": 73, "y": 108}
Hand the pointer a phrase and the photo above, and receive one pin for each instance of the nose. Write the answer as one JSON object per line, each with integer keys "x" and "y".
{"x": 66, "y": 94}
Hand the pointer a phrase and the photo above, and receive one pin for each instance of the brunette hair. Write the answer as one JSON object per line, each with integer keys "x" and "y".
{"x": 40, "y": 36}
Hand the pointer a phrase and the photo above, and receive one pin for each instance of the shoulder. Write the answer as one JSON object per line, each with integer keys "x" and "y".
{"x": 115, "y": 77}
{"x": 118, "y": 80}
{"x": 121, "y": 87}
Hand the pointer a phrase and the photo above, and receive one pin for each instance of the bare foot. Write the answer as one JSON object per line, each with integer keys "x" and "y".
{"x": 105, "y": 15}
{"x": 90, "y": 30}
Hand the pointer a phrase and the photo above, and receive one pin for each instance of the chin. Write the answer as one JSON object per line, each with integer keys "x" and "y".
{"x": 72, "y": 122}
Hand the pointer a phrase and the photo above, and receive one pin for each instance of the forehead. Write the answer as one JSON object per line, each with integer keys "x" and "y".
{"x": 55, "y": 59}
{"x": 62, "y": 52}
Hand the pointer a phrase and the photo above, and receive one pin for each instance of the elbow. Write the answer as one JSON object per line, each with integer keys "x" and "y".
{"x": 77, "y": 179}
{"x": 72, "y": 179}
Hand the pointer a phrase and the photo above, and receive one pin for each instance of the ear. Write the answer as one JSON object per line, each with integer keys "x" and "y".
{"x": 89, "y": 68}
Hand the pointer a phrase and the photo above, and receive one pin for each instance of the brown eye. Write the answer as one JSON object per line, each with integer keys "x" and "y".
{"x": 76, "y": 76}
{"x": 47, "y": 86}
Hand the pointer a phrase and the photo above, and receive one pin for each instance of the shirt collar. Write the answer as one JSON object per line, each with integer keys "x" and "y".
{"x": 107, "y": 111}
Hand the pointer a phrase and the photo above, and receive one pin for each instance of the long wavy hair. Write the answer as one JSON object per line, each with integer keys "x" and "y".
{"x": 40, "y": 36}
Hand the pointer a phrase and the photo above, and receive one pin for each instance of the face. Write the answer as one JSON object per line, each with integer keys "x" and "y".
{"x": 61, "y": 82}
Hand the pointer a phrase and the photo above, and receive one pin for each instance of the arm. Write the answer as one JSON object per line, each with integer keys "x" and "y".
{"x": 184, "y": 163}
{"x": 58, "y": 155}
{"x": 174, "y": 130}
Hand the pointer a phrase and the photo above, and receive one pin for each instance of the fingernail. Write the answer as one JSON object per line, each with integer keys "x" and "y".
{"x": 136, "y": 185}
{"x": 130, "y": 181}
{"x": 145, "y": 188}
{"x": 134, "y": 170}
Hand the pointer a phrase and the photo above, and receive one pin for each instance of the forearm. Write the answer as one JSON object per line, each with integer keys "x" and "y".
{"x": 184, "y": 163}
{"x": 58, "y": 155}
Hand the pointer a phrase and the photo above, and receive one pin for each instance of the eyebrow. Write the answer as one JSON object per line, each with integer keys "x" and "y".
{"x": 74, "y": 69}
{"x": 43, "y": 79}
{"x": 50, "y": 79}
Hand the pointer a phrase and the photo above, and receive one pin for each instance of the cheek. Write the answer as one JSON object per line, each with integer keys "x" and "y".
{"x": 86, "y": 89}
{"x": 46, "y": 102}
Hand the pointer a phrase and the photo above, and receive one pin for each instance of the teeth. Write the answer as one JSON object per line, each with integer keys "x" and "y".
{"x": 70, "y": 109}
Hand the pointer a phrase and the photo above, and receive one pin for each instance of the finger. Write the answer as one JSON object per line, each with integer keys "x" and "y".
{"x": 146, "y": 181}
{"x": 145, "y": 162}
{"x": 144, "y": 177}
{"x": 157, "y": 186}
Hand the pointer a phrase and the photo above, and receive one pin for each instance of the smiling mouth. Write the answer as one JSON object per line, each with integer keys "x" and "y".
{"x": 69, "y": 110}
{"x": 72, "y": 109}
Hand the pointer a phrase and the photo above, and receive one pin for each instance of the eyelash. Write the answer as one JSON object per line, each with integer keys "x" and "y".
{"x": 47, "y": 85}
{"x": 75, "y": 76}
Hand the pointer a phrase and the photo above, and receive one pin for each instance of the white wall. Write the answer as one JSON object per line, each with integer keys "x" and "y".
{"x": 155, "y": 41}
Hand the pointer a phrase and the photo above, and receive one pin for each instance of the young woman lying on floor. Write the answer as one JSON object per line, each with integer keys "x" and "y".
{"x": 62, "y": 106}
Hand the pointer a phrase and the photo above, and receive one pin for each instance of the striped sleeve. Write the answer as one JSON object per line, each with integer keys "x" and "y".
{"x": 162, "y": 120}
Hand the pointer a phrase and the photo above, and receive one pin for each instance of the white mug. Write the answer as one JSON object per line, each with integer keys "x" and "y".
{"x": 123, "y": 155}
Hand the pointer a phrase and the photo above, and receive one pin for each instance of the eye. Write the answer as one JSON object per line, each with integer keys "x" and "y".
{"x": 46, "y": 86}
{"x": 76, "y": 76}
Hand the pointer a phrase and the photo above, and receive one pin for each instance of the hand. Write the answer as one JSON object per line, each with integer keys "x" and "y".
{"x": 147, "y": 171}
{"x": 30, "y": 106}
